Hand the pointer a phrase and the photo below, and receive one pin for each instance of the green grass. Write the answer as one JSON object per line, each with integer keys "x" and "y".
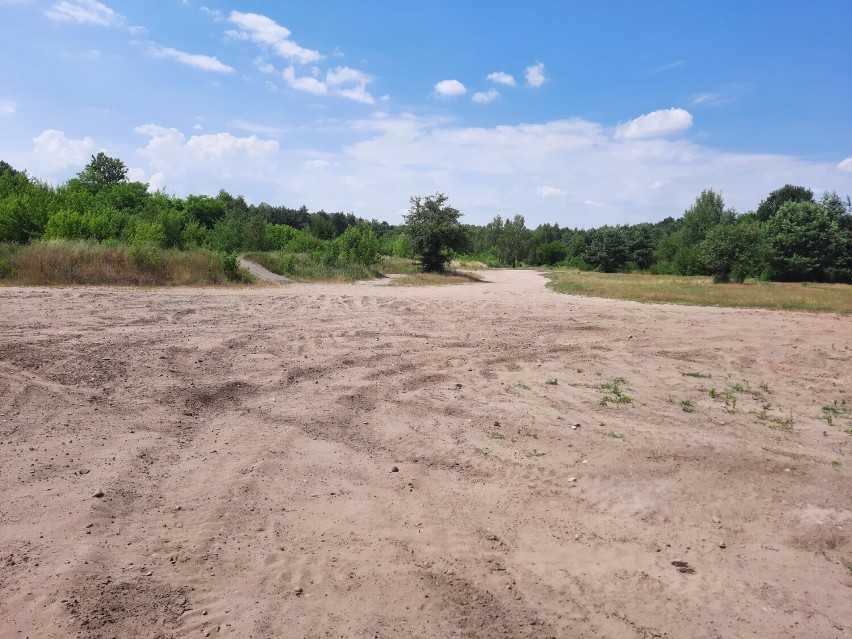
{"x": 66, "y": 262}
{"x": 308, "y": 267}
{"x": 701, "y": 291}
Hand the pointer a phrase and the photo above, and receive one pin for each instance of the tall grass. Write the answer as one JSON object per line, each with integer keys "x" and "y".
{"x": 68, "y": 262}
{"x": 801, "y": 296}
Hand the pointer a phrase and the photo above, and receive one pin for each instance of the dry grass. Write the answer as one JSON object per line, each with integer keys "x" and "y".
{"x": 58, "y": 262}
{"x": 394, "y": 265}
{"x": 437, "y": 279}
{"x": 701, "y": 291}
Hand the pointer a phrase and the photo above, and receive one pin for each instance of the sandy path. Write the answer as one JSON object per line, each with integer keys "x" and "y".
{"x": 263, "y": 273}
{"x": 244, "y": 442}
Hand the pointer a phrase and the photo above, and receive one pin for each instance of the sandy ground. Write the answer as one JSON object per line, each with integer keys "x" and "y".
{"x": 363, "y": 461}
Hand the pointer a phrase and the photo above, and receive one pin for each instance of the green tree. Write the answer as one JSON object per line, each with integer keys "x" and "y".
{"x": 775, "y": 200}
{"x": 512, "y": 241}
{"x": 102, "y": 173}
{"x": 433, "y": 230}
{"x": 807, "y": 244}
{"x": 550, "y": 253}
{"x": 608, "y": 249}
{"x": 735, "y": 251}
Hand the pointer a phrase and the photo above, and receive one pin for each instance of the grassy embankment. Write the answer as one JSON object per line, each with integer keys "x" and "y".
{"x": 436, "y": 279}
{"x": 65, "y": 262}
{"x": 701, "y": 291}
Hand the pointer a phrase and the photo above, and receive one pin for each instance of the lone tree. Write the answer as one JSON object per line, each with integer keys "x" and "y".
{"x": 102, "y": 173}
{"x": 433, "y": 231}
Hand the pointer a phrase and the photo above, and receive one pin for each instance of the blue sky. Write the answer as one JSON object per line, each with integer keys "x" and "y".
{"x": 577, "y": 112}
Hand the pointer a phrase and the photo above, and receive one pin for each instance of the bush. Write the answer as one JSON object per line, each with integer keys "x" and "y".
{"x": 231, "y": 267}
{"x": 358, "y": 245}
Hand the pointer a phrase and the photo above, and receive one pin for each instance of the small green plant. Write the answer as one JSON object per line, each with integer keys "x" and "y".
{"x": 696, "y": 374}
{"x": 617, "y": 397}
{"x": 835, "y": 464}
{"x": 551, "y": 382}
{"x": 533, "y": 453}
{"x": 613, "y": 434}
{"x": 687, "y": 406}
{"x": 784, "y": 424}
{"x": 847, "y": 564}
{"x": 493, "y": 434}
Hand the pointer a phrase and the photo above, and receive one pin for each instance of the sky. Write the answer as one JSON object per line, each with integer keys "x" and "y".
{"x": 576, "y": 112}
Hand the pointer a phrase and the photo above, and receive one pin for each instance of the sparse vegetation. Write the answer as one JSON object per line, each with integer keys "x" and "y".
{"x": 701, "y": 291}
{"x": 617, "y": 397}
{"x": 63, "y": 262}
{"x": 687, "y": 406}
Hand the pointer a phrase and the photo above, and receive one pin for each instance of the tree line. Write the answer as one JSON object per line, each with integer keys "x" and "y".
{"x": 790, "y": 236}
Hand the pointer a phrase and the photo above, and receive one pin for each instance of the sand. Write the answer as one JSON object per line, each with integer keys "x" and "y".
{"x": 372, "y": 461}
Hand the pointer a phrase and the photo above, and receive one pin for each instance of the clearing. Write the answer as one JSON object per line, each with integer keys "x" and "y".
{"x": 489, "y": 460}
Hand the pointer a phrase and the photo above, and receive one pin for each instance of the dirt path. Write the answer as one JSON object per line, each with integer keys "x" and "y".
{"x": 360, "y": 461}
{"x": 262, "y": 273}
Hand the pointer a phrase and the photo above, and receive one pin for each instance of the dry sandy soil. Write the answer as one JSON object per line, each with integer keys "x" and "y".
{"x": 365, "y": 461}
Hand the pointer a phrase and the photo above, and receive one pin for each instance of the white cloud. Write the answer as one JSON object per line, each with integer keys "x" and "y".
{"x": 550, "y": 191}
{"x": 306, "y": 83}
{"x": 655, "y": 124}
{"x": 317, "y": 164}
{"x": 484, "y": 97}
{"x": 449, "y": 88}
{"x": 845, "y": 165}
{"x": 263, "y": 66}
{"x": 54, "y": 151}
{"x": 340, "y": 81}
{"x": 349, "y": 83}
{"x": 535, "y": 75}
{"x": 198, "y": 61}
{"x": 8, "y": 107}
{"x": 84, "y": 12}
{"x": 500, "y": 77}
{"x": 265, "y": 31}
{"x": 198, "y": 163}
{"x": 570, "y": 171}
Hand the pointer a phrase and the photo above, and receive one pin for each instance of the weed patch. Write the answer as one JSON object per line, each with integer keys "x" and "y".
{"x": 618, "y": 396}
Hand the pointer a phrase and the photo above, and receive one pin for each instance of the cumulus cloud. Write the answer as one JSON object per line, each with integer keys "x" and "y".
{"x": 84, "y": 12}
{"x": 499, "y": 77}
{"x": 655, "y": 124}
{"x": 484, "y": 97}
{"x": 535, "y": 75}
{"x": 341, "y": 81}
{"x": 845, "y": 165}
{"x": 8, "y": 107}
{"x": 571, "y": 171}
{"x": 449, "y": 89}
{"x": 53, "y": 150}
{"x": 198, "y": 61}
{"x": 198, "y": 163}
{"x": 264, "y": 31}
